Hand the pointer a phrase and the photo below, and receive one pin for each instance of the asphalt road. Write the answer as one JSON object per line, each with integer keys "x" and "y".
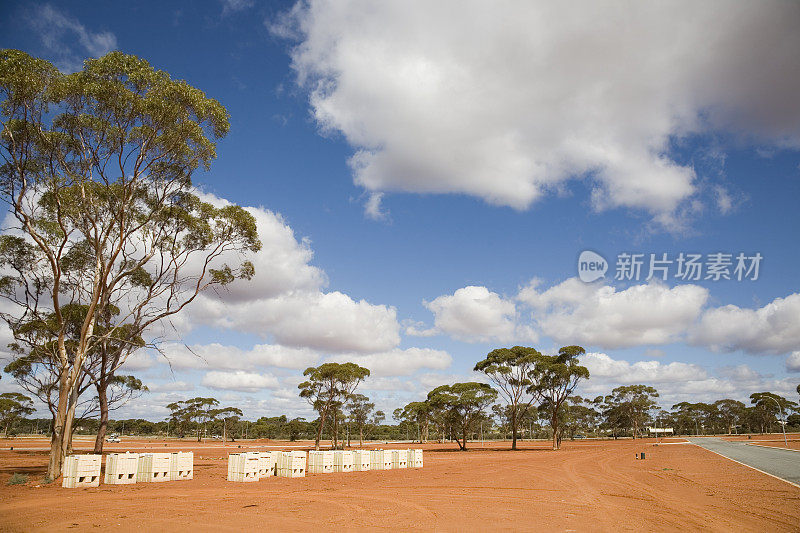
{"x": 784, "y": 464}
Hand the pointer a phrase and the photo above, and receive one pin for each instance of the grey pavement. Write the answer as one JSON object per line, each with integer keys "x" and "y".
{"x": 784, "y": 464}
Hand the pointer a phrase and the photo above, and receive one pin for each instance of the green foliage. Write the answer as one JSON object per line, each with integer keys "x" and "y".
{"x": 97, "y": 170}
{"x": 772, "y": 402}
{"x": 418, "y": 413}
{"x": 770, "y": 406}
{"x": 13, "y": 406}
{"x": 17, "y": 479}
{"x": 510, "y": 369}
{"x": 578, "y": 415}
{"x": 37, "y": 369}
{"x": 193, "y": 412}
{"x": 554, "y": 378}
{"x": 328, "y": 386}
{"x": 628, "y": 406}
{"x": 461, "y": 405}
{"x": 359, "y": 410}
{"x": 730, "y": 412}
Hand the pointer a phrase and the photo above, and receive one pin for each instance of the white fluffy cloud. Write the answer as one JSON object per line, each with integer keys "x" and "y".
{"x": 507, "y": 101}
{"x": 240, "y": 381}
{"x": 286, "y": 301}
{"x": 603, "y": 367}
{"x": 793, "y": 362}
{"x": 170, "y": 386}
{"x": 678, "y": 381}
{"x": 220, "y": 357}
{"x": 399, "y": 362}
{"x": 600, "y": 315}
{"x": 474, "y": 314}
{"x": 774, "y": 328}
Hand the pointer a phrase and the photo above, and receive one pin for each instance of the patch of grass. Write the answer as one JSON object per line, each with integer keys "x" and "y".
{"x": 46, "y": 480}
{"x": 17, "y": 479}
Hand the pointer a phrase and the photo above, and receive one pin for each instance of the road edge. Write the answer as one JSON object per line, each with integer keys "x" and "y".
{"x": 748, "y": 466}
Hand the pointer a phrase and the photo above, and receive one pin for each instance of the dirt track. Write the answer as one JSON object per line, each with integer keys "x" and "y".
{"x": 585, "y": 486}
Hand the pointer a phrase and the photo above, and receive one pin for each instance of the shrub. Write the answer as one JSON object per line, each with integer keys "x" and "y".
{"x": 17, "y": 479}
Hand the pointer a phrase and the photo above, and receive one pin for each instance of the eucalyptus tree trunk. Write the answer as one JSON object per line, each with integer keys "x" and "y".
{"x": 322, "y": 417}
{"x": 335, "y": 430}
{"x": 102, "y": 428}
{"x": 554, "y": 425}
{"x": 514, "y": 427}
{"x": 56, "y": 459}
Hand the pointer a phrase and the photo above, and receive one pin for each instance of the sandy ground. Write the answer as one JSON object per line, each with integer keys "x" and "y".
{"x": 586, "y": 486}
{"x": 792, "y": 444}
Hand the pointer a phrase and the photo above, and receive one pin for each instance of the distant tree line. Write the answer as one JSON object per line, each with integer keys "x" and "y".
{"x": 533, "y": 399}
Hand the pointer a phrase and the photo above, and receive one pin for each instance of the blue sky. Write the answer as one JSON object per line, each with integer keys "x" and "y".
{"x": 415, "y": 167}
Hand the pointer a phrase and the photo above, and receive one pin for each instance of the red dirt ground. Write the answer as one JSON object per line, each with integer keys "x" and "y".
{"x": 773, "y": 440}
{"x": 792, "y": 444}
{"x": 588, "y": 485}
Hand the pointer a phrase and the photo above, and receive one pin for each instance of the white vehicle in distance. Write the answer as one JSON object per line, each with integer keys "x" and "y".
{"x": 112, "y": 438}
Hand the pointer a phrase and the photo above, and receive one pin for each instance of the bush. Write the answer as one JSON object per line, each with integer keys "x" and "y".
{"x": 17, "y": 479}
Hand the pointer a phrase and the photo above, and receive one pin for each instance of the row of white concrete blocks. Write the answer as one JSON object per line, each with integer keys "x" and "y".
{"x": 127, "y": 468}
{"x": 252, "y": 466}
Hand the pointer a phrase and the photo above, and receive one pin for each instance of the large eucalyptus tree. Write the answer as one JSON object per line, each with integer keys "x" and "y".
{"x": 96, "y": 172}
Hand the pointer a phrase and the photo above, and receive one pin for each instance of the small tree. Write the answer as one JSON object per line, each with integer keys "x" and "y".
{"x": 687, "y": 415}
{"x": 553, "y": 379}
{"x": 462, "y": 405}
{"x": 36, "y": 368}
{"x": 295, "y": 427}
{"x": 198, "y": 411}
{"x": 329, "y": 385}
{"x": 509, "y": 370}
{"x": 418, "y": 413}
{"x": 731, "y": 412}
{"x": 578, "y": 415}
{"x": 226, "y": 415}
{"x": 359, "y": 410}
{"x": 13, "y": 406}
{"x": 631, "y": 405}
{"x": 772, "y": 406}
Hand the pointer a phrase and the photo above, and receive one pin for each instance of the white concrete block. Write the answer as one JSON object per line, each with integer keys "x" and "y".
{"x": 361, "y": 460}
{"x": 414, "y": 458}
{"x": 243, "y": 467}
{"x": 153, "y": 468}
{"x": 320, "y": 462}
{"x": 181, "y": 466}
{"x": 387, "y": 460}
{"x": 399, "y": 458}
{"x": 121, "y": 468}
{"x": 343, "y": 461}
{"x": 267, "y": 464}
{"x": 380, "y": 460}
{"x": 291, "y": 464}
{"x": 81, "y": 471}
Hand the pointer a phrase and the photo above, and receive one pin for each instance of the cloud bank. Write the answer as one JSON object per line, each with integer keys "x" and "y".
{"x": 506, "y": 102}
